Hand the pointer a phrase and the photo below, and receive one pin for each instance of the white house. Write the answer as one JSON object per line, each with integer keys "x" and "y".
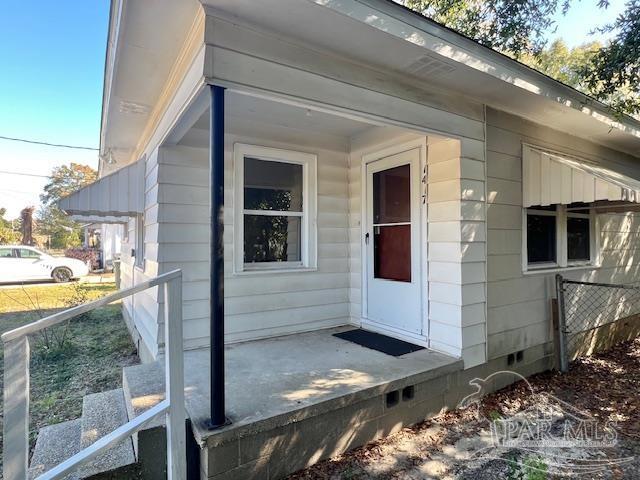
{"x": 380, "y": 172}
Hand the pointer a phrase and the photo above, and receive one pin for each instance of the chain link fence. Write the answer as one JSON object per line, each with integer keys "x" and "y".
{"x": 594, "y": 316}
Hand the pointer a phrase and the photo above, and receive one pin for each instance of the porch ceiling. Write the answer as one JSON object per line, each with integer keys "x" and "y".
{"x": 145, "y": 37}
{"x": 241, "y": 110}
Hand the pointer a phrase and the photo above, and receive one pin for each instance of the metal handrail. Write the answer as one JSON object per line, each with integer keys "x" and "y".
{"x": 60, "y": 317}
{"x": 16, "y": 388}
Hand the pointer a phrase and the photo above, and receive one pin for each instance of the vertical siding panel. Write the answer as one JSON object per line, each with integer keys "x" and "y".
{"x": 545, "y": 173}
{"x": 589, "y": 188}
{"x": 534, "y": 179}
{"x": 577, "y": 185}
{"x": 555, "y": 182}
{"x": 566, "y": 184}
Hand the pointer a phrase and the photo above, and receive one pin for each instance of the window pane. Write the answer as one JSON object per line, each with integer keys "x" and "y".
{"x": 272, "y": 185}
{"x": 392, "y": 195}
{"x": 5, "y": 253}
{"x": 578, "y": 239}
{"x": 25, "y": 253}
{"x": 272, "y": 239}
{"x": 541, "y": 238}
{"x": 392, "y": 252}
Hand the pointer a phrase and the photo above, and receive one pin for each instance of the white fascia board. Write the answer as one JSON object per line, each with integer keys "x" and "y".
{"x": 110, "y": 69}
{"x": 395, "y": 20}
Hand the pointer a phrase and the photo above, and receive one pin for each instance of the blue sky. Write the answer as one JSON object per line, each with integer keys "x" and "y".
{"x": 52, "y": 57}
{"x": 583, "y": 17}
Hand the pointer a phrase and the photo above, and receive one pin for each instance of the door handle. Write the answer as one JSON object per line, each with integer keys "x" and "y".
{"x": 366, "y": 239}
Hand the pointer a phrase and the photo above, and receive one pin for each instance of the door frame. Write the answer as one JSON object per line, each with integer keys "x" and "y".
{"x": 421, "y": 145}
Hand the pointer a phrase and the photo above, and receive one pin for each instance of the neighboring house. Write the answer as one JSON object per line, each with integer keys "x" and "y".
{"x": 107, "y": 238}
{"x": 380, "y": 171}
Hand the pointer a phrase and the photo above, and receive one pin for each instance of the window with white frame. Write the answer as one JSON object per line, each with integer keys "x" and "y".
{"x": 138, "y": 252}
{"x": 275, "y": 197}
{"x": 559, "y": 236}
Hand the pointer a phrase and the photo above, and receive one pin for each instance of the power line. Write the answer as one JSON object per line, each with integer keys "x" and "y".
{"x": 35, "y": 142}
{"x": 24, "y": 174}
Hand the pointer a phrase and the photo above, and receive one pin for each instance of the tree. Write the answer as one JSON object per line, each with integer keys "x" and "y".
{"x": 65, "y": 180}
{"x": 26, "y": 217}
{"x": 8, "y": 234}
{"x": 512, "y": 27}
{"x": 613, "y": 74}
{"x": 563, "y": 63}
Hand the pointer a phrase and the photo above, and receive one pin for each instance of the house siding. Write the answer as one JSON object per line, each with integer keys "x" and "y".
{"x": 519, "y": 308}
{"x": 455, "y": 248}
{"x": 257, "y": 304}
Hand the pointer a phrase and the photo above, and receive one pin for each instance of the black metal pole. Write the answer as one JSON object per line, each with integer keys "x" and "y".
{"x": 216, "y": 297}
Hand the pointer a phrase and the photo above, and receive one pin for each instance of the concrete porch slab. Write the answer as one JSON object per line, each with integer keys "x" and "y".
{"x": 278, "y": 381}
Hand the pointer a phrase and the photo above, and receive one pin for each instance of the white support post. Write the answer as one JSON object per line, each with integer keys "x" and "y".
{"x": 16, "y": 409}
{"x": 174, "y": 371}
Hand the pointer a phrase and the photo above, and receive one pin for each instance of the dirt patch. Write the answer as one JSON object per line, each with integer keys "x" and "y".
{"x": 459, "y": 444}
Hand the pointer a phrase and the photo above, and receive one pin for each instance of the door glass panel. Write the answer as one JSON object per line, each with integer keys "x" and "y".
{"x": 392, "y": 252}
{"x": 392, "y": 195}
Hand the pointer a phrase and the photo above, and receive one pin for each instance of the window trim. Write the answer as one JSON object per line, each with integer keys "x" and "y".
{"x": 308, "y": 227}
{"x": 562, "y": 263}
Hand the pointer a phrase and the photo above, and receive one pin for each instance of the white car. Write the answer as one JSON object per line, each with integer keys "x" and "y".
{"x": 19, "y": 263}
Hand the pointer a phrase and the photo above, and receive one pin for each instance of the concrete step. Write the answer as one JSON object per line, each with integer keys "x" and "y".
{"x": 55, "y": 444}
{"x": 143, "y": 387}
{"x": 102, "y": 413}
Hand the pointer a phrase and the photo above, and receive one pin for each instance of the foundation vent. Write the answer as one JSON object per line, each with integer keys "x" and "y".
{"x": 429, "y": 67}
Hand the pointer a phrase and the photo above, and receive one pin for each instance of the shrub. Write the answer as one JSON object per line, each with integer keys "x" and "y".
{"x": 87, "y": 255}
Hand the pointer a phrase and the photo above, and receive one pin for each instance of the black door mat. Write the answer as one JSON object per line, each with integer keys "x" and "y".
{"x": 381, "y": 343}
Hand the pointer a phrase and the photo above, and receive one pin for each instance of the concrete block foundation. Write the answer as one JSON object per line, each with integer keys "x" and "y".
{"x": 273, "y": 453}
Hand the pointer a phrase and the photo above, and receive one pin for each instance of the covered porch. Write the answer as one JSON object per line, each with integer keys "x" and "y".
{"x": 297, "y": 399}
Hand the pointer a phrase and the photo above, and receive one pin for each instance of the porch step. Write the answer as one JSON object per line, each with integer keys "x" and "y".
{"x": 55, "y": 444}
{"x": 143, "y": 387}
{"x": 102, "y": 413}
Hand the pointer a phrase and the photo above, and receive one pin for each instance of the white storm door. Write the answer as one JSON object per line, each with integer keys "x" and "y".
{"x": 392, "y": 242}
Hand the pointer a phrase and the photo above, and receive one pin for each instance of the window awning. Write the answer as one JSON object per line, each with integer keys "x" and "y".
{"x": 120, "y": 194}
{"x": 549, "y": 178}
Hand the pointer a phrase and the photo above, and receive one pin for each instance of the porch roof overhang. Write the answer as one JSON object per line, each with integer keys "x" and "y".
{"x": 550, "y": 178}
{"x": 97, "y": 219}
{"x": 113, "y": 197}
{"x": 386, "y": 36}
{"x": 145, "y": 38}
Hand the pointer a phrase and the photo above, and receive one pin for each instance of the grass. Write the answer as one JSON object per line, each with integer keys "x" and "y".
{"x": 71, "y": 360}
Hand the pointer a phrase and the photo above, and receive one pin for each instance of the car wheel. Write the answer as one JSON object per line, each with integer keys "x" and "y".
{"x": 61, "y": 275}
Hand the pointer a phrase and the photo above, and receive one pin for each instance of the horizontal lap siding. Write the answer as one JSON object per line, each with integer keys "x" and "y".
{"x": 260, "y": 304}
{"x": 519, "y": 305}
{"x": 143, "y": 308}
